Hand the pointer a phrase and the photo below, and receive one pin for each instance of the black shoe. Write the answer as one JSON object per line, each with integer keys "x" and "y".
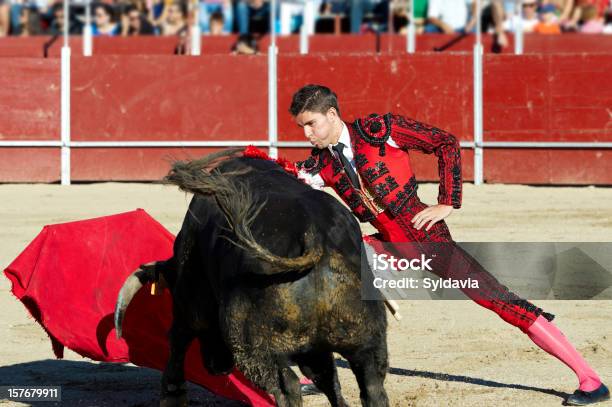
{"x": 309, "y": 389}
{"x": 583, "y": 398}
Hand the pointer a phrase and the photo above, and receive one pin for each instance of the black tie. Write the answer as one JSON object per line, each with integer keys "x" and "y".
{"x": 346, "y": 164}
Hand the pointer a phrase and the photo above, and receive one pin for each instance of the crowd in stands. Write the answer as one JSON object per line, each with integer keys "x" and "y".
{"x": 219, "y": 17}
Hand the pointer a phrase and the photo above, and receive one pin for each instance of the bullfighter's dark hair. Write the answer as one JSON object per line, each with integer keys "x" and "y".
{"x": 314, "y": 98}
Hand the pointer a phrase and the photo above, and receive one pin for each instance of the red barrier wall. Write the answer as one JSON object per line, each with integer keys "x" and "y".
{"x": 534, "y": 43}
{"x": 164, "y": 98}
{"x": 149, "y": 97}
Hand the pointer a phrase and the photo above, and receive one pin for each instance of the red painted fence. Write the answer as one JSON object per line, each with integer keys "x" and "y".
{"x": 541, "y": 97}
{"x": 533, "y": 43}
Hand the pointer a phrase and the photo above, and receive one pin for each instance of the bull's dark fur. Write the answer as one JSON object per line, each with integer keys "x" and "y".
{"x": 266, "y": 273}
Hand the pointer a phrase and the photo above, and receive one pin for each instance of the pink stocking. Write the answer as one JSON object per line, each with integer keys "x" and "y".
{"x": 548, "y": 337}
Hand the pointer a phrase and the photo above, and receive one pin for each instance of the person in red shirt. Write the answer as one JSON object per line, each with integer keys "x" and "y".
{"x": 367, "y": 163}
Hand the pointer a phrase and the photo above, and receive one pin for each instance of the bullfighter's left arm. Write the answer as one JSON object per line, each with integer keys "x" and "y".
{"x": 410, "y": 134}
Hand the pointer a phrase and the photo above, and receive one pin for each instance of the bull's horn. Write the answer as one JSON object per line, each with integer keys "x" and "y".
{"x": 129, "y": 289}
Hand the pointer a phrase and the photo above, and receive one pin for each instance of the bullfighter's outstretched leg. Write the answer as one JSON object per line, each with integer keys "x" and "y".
{"x": 173, "y": 388}
{"x": 321, "y": 369}
{"x": 370, "y": 368}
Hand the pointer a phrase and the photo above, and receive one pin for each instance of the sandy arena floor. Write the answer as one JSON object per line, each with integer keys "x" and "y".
{"x": 441, "y": 354}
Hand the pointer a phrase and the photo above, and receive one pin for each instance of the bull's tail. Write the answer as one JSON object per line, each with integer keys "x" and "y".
{"x": 239, "y": 206}
{"x": 147, "y": 273}
{"x": 277, "y": 264}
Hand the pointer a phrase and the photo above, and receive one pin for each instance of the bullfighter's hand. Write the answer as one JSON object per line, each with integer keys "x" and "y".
{"x": 430, "y": 215}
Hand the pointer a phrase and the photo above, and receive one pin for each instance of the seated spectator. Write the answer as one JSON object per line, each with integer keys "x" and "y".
{"x": 528, "y": 18}
{"x": 253, "y": 16}
{"x": 332, "y": 17}
{"x": 548, "y": 21}
{"x": 446, "y": 16}
{"x": 157, "y": 10}
{"x": 135, "y": 23}
{"x": 20, "y": 11}
{"x": 176, "y": 19}
{"x": 105, "y": 21}
{"x": 563, "y": 11}
{"x": 492, "y": 17}
{"x": 56, "y": 26}
{"x": 246, "y": 44}
{"x": 378, "y": 8}
{"x": 576, "y": 16}
{"x": 15, "y": 15}
{"x": 29, "y": 22}
{"x": 420, "y": 15}
{"x": 217, "y": 24}
{"x": 591, "y": 22}
{"x": 400, "y": 15}
{"x": 210, "y": 7}
{"x": 5, "y": 21}
{"x": 608, "y": 22}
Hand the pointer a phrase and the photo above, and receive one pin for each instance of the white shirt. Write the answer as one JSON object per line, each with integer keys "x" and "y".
{"x": 452, "y": 12}
{"x": 316, "y": 181}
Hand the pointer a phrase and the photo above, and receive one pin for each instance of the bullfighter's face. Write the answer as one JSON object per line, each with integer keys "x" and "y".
{"x": 320, "y": 129}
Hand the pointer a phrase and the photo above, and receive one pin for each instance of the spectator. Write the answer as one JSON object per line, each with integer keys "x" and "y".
{"x": 528, "y": 18}
{"x": 210, "y": 7}
{"x": 245, "y": 45}
{"x": 57, "y": 22}
{"x": 577, "y": 14}
{"x": 332, "y": 17}
{"x": 563, "y": 10}
{"x": 16, "y": 6}
{"x": 253, "y": 16}
{"x": 135, "y": 23}
{"x": 548, "y": 21}
{"x": 591, "y": 22}
{"x": 446, "y": 16}
{"x": 5, "y": 21}
{"x": 400, "y": 18}
{"x": 608, "y": 22}
{"x": 24, "y": 14}
{"x": 379, "y": 8}
{"x": 216, "y": 24}
{"x": 105, "y": 22}
{"x": 157, "y": 12}
{"x": 492, "y": 17}
{"x": 176, "y": 19}
{"x": 420, "y": 15}
{"x": 29, "y": 23}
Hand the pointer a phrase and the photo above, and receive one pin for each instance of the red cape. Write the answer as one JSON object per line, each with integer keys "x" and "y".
{"x": 69, "y": 277}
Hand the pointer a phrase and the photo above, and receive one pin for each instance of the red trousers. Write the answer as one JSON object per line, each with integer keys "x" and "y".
{"x": 456, "y": 263}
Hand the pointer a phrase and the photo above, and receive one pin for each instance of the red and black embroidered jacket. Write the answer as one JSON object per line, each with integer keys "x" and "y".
{"x": 386, "y": 170}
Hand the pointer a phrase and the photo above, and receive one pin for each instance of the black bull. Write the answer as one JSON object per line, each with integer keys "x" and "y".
{"x": 266, "y": 273}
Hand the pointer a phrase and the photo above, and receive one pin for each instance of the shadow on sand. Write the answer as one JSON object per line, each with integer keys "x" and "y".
{"x": 86, "y": 383}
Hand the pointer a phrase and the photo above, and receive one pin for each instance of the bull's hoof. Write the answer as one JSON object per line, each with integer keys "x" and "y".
{"x": 174, "y": 396}
{"x": 309, "y": 389}
{"x": 174, "y": 401}
{"x": 218, "y": 369}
